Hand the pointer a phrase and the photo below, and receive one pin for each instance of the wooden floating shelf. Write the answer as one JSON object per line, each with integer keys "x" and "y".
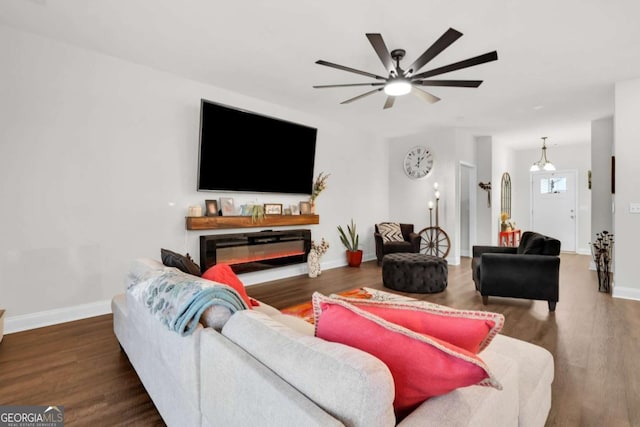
{"x": 221, "y": 222}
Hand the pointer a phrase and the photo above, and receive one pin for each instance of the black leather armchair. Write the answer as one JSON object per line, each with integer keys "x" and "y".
{"x": 411, "y": 242}
{"x": 530, "y": 271}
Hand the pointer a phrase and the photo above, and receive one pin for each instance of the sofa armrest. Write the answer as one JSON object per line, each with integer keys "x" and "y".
{"x": 414, "y": 238}
{"x": 524, "y": 276}
{"x": 478, "y": 250}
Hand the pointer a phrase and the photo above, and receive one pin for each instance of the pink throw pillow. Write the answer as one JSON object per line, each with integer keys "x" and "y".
{"x": 472, "y": 330}
{"x": 222, "y": 273}
{"x": 422, "y": 366}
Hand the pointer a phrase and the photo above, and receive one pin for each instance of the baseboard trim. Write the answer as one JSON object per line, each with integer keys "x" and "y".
{"x": 453, "y": 260}
{"x": 626, "y": 293}
{"x": 24, "y": 322}
{"x": 40, "y": 319}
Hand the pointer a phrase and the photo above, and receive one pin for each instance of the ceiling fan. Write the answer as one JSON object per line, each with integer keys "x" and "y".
{"x": 401, "y": 82}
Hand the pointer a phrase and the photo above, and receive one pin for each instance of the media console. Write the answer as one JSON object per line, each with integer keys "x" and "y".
{"x": 261, "y": 250}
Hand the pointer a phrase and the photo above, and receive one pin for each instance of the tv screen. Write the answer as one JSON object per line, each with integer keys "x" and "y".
{"x": 244, "y": 151}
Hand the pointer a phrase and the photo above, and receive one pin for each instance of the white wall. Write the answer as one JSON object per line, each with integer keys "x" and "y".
{"x": 502, "y": 160}
{"x": 98, "y": 162}
{"x": 571, "y": 157}
{"x": 408, "y": 202}
{"x": 601, "y": 151}
{"x": 627, "y": 225}
{"x": 484, "y": 217}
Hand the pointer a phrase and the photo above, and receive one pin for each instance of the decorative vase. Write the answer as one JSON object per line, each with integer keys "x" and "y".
{"x": 312, "y": 204}
{"x": 354, "y": 258}
{"x": 313, "y": 263}
{"x": 504, "y": 226}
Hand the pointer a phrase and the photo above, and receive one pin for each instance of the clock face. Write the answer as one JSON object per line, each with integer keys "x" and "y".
{"x": 418, "y": 162}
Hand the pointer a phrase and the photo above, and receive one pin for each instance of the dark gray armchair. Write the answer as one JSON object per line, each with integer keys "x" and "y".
{"x": 530, "y": 271}
{"x": 411, "y": 242}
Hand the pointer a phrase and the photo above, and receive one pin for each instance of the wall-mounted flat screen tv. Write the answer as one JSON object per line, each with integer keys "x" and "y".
{"x": 244, "y": 151}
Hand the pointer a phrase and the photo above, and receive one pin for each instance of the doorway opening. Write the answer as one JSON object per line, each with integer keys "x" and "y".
{"x": 466, "y": 208}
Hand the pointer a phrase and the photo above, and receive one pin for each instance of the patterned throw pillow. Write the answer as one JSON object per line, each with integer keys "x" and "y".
{"x": 390, "y": 232}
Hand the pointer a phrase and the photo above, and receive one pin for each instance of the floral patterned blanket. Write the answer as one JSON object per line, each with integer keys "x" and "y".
{"x": 305, "y": 310}
{"x": 178, "y": 300}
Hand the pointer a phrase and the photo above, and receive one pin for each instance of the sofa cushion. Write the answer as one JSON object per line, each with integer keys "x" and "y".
{"x": 183, "y": 263}
{"x": 222, "y": 273}
{"x": 472, "y": 330}
{"x": 390, "y": 232}
{"x": 531, "y": 244}
{"x": 538, "y": 244}
{"x": 551, "y": 246}
{"x": 476, "y": 406}
{"x": 535, "y": 377}
{"x": 422, "y": 366}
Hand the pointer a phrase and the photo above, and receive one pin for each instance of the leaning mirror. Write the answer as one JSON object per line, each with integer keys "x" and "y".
{"x": 505, "y": 194}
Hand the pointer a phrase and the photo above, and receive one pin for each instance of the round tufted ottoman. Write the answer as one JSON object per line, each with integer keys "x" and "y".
{"x": 417, "y": 273}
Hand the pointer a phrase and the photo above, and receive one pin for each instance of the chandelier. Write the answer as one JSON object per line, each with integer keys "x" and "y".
{"x": 543, "y": 163}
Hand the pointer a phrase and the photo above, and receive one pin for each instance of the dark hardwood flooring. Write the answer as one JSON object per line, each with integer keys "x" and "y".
{"x": 595, "y": 340}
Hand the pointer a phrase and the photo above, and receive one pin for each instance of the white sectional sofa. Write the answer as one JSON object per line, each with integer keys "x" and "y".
{"x": 265, "y": 368}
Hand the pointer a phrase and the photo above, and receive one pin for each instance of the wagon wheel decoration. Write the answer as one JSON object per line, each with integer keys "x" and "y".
{"x": 434, "y": 241}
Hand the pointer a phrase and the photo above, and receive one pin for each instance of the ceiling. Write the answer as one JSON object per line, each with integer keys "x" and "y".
{"x": 558, "y": 60}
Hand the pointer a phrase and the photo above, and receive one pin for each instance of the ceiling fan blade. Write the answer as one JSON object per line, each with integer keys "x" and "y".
{"x": 453, "y": 83}
{"x": 351, "y": 70}
{"x": 348, "y": 85}
{"x": 438, "y": 46}
{"x": 371, "y": 92}
{"x": 424, "y": 95}
{"x": 389, "y": 102}
{"x": 381, "y": 49}
{"x": 477, "y": 60}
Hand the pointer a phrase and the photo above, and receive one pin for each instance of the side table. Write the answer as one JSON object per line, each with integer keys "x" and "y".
{"x": 509, "y": 238}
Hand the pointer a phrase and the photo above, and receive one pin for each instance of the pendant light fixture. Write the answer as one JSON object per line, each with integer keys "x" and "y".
{"x": 543, "y": 164}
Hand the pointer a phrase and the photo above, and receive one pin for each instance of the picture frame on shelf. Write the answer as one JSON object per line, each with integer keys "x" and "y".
{"x": 211, "y": 208}
{"x": 227, "y": 206}
{"x": 305, "y": 208}
{"x": 295, "y": 209}
{"x": 246, "y": 210}
{"x": 273, "y": 208}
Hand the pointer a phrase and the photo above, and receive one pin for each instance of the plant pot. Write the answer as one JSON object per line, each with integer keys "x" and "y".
{"x": 354, "y": 258}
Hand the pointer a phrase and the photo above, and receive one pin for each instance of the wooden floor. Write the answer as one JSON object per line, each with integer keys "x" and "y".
{"x": 595, "y": 340}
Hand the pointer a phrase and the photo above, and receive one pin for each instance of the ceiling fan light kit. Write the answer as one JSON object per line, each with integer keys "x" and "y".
{"x": 397, "y": 87}
{"x": 543, "y": 163}
{"x": 400, "y": 82}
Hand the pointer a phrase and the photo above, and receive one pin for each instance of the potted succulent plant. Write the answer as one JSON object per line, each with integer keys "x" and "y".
{"x": 350, "y": 240}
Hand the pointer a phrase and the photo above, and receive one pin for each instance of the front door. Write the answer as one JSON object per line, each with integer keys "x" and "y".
{"x": 553, "y": 206}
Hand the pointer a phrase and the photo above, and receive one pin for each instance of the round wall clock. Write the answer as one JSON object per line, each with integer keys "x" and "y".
{"x": 418, "y": 162}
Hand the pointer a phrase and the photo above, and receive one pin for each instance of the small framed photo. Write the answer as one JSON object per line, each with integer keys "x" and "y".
{"x": 227, "y": 207}
{"x": 295, "y": 209}
{"x": 211, "y": 207}
{"x": 305, "y": 208}
{"x": 273, "y": 208}
{"x": 246, "y": 210}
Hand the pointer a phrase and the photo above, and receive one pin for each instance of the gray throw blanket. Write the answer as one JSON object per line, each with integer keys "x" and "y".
{"x": 178, "y": 299}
